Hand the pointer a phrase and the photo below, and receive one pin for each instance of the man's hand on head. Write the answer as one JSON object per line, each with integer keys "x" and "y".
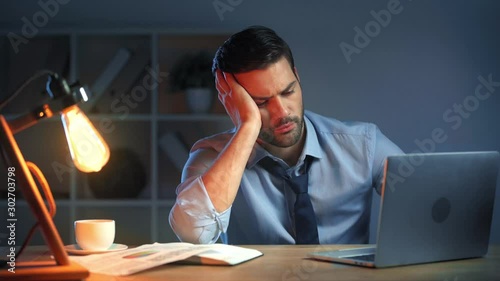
{"x": 237, "y": 101}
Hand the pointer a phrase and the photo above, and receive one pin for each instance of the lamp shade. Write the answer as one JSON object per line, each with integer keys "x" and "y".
{"x": 88, "y": 149}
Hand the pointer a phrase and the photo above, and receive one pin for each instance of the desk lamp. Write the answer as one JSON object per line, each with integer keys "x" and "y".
{"x": 88, "y": 151}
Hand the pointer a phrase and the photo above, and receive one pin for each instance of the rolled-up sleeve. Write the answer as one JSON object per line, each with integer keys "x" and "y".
{"x": 193, "y": 217}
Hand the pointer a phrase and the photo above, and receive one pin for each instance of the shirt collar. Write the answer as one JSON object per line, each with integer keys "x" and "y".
{"x": 311, "y": 147}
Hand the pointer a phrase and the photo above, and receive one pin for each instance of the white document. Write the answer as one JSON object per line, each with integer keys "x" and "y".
{"x": 151, "y": 255}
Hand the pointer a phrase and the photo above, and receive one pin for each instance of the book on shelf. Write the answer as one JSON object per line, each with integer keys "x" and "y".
{"x": 148, "y": 256}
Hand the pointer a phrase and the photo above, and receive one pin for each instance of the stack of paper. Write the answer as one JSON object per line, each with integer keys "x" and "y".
{"x": 151, "y": 255}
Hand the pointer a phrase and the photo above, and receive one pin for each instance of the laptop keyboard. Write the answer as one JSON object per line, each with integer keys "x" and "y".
{"x": 370, "y": 257}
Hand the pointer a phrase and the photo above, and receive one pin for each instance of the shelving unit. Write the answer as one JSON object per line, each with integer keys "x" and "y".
{"x": 137, "y": 126}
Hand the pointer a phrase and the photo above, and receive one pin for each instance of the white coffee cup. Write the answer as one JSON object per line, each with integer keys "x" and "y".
{"x": 95, "y": 235}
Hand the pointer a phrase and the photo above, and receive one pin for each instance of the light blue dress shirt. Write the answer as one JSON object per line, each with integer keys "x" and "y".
{"x": 349, "y": 162}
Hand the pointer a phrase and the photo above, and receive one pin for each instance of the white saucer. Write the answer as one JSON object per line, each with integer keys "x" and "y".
{"x": 76, "y": 250}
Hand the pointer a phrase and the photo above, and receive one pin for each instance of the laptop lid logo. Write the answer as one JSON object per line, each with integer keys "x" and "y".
{"x": 441, "y": 210}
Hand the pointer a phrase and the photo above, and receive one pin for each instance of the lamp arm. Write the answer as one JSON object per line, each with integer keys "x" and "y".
{"x": 40, "y": 178}
{"x": 24, "y": 180}
{"x": 62, "y": 95}
{"x": 29, "y": 119}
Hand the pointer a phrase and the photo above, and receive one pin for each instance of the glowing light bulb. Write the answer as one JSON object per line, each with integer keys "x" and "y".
{"x": 88, "y": 149}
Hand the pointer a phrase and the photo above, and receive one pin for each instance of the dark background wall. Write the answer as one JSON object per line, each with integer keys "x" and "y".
{"x": 410, "y": 76}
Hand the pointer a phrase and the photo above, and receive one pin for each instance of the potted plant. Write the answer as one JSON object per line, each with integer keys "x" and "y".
{"x": 192, "y": 75}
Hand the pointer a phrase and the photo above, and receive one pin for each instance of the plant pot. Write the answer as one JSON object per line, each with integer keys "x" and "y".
{"x": 199, "y": 100}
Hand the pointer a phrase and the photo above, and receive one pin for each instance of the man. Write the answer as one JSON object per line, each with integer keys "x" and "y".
{"x": 239, "y": 182}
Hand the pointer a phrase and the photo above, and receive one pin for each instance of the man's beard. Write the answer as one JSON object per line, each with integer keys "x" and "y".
{"x": 284, "y": 140}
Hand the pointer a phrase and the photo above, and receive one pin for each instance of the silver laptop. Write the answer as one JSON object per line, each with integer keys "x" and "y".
{"x": 435, "y": 207}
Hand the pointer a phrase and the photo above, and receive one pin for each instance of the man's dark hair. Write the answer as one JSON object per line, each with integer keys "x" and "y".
{"x": 255, "y": 47}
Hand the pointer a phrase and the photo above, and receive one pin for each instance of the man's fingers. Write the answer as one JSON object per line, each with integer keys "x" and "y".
{"x": 226, "y": 83}
{"x": 231, "y": 81}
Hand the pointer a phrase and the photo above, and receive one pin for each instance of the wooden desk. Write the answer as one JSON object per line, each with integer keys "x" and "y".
{"x": 288, "y": 262}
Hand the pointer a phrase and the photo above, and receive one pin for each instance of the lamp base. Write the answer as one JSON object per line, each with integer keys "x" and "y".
{"x": 45, "y": 270}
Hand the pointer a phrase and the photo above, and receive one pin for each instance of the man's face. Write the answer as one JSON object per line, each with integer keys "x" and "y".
{"x": 277, "y": 93}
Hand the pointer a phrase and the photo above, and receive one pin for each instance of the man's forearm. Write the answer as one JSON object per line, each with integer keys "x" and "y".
{"x": 223, "y": 178}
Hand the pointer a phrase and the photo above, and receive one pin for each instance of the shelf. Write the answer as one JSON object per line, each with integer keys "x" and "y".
{"x": 131, "y": 112}
{"x": 194, "y": 117}
{"x": 144, "y": 117}
{"x": 134, "y": 225}
{"x": 106, "y": 203}
{"x": 173, "y": 49}
{"x": 161, "y": 117}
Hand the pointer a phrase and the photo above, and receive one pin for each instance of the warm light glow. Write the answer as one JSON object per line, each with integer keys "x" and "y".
{"x": 88, "y": 149}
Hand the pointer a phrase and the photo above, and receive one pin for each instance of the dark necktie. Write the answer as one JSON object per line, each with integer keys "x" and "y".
{"x": 306, "y": 229}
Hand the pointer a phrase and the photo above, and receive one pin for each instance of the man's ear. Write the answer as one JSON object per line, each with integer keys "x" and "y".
{"x": 296, "y": 73}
